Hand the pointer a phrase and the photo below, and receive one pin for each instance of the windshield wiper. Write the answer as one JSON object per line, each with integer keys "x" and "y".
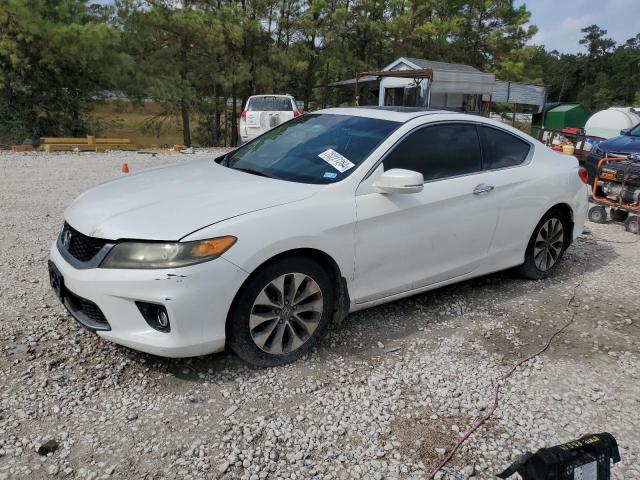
{"x": 252, "y": 171}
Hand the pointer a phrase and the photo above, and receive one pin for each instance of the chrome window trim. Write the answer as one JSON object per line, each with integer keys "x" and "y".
{"x": 525, "y": 162}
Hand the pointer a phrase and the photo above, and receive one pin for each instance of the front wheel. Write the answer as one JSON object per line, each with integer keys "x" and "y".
{"x": 546, "y": 246}
{"x": 281, "y": 312}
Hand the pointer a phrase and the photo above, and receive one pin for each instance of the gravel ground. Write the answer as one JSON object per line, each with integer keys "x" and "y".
{"x": 382, "y": 397}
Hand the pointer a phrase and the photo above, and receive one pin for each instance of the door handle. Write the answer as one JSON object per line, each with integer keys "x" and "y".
{"x": 483, "y": 188}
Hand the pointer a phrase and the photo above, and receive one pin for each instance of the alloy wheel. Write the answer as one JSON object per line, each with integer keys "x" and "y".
{"x": 549, "y": 244}
{"x": 285, "y": 313}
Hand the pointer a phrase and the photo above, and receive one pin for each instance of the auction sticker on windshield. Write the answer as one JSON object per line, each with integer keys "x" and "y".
{"x": 337, "y": 161}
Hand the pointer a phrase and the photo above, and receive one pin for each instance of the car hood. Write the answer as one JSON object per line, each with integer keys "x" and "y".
{"x": 168, "y": 203}
{"x": 622, "y": 144}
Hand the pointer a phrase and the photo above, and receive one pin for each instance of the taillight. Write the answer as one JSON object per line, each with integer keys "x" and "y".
{"x": 584, "y": 176}
{"x": 296, "y": 113}
{"x": 243, "y": 115}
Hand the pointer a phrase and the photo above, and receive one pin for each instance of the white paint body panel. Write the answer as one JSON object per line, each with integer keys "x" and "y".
{"x": 387, "y": 246}
{"x": 408, "y": 241}
{"x": 168, "y": 203}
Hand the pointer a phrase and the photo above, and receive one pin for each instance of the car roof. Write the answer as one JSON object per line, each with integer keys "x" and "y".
{"x": 394, "y": 114}
{"x": 404, "y": 114}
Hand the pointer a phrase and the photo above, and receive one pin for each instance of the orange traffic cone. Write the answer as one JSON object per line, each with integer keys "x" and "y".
{"x": 125, "y": 168}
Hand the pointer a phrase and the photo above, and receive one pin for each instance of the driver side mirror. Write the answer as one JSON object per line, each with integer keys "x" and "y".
{"x": 625, "y": 131}
{"x": 398, "y": 180}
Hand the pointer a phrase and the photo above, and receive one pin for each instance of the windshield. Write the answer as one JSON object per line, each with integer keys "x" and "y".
{"x": 313, "y": 148}
{"x": 635, "y": 131}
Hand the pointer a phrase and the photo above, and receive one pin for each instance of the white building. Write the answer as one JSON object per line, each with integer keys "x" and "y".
{"x": 452, "y": 86}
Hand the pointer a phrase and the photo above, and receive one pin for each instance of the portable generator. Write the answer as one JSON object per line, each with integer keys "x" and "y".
{"x": 626, "y": 172}
{"x": 616, "y": 186}
{"x": 588, "y": 458}
{"x": 617, "y": 191}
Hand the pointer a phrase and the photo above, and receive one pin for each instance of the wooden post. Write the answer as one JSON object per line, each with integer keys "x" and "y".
{"x": 234, "y": 121}
{"x": 186, "y": 128}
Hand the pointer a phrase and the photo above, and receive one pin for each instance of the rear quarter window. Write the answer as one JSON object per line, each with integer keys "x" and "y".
{"x": 270, "y": 104}
{"x": 501, "y": 149}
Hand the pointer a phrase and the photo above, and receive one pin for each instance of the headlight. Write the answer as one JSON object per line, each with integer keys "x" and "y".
{"x": 166, "y": 255}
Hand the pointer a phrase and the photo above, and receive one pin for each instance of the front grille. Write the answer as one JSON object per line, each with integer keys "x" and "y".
{"x": 80, "y": 246}
{"x": 82, "y": 307}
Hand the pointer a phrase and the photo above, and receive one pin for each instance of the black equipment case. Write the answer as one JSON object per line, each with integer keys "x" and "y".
{"x": 588, "y": 458}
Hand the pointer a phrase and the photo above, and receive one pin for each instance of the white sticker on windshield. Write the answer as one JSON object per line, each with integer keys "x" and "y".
{"x": 337, "y": 161}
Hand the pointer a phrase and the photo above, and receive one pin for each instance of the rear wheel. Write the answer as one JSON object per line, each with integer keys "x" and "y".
{"x": 546, "y": 246}
{"x": 598, "y": 214}
{"x": 281, "y": 312}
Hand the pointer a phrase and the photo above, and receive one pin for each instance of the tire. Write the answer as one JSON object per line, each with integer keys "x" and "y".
{"x": 598, "y": 214}
{"x": 632, "y": 225}
{"x": 534, "y": 266}
{"x": 263, "y": 330}
{"x": 618, "y": 215}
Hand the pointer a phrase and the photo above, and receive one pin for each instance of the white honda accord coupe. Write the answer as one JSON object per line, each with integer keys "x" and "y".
{"x": 326, "y": 214}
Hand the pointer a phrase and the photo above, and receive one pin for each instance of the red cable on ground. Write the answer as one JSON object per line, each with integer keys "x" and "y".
{"x": 480, "y": 421}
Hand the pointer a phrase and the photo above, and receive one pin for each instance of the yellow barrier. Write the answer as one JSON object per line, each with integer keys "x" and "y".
{"x": 87, "y": 148}
{"x": 22, "y": 148}
{"x": 88, "y": 144}
{"x": 112, "y": 140}
{"x": 54, "y": 140}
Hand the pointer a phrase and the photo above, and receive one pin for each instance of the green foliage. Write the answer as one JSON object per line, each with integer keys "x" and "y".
{"x": 606, "y": 75}
{"x": 53, "y": 61}
{"x": 191, "y": 56}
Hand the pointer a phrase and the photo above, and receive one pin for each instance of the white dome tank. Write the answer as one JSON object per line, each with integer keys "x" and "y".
{"x": 608, "y": 123}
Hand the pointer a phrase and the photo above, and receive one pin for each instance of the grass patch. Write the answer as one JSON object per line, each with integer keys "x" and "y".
{"x": 144, "y": 124}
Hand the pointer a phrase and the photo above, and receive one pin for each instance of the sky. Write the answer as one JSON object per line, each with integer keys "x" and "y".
{"x": 559, "y": 21}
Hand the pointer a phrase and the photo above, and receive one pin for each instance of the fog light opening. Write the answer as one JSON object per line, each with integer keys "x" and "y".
{"x": 155, "y": 315}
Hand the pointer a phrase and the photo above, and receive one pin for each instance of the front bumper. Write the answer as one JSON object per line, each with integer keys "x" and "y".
{"x": 197, "y": 299}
